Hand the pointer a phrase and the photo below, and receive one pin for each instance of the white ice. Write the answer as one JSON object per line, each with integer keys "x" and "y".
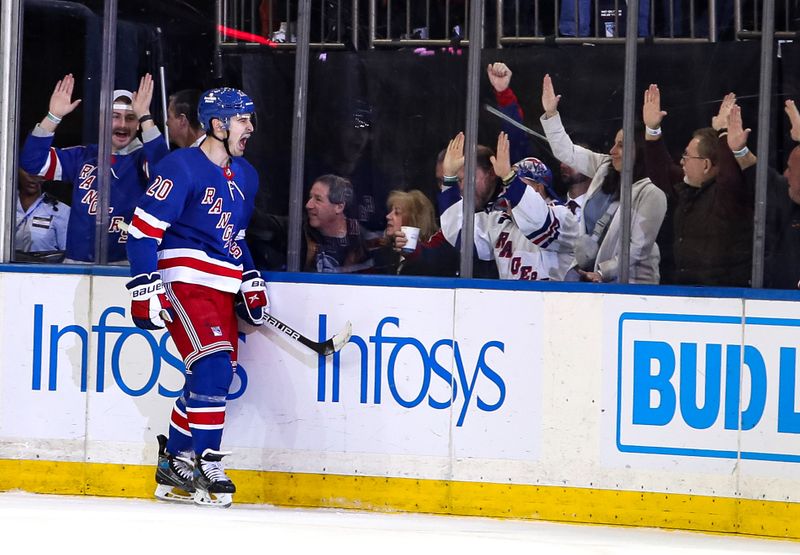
{"x": 47, "y": 524}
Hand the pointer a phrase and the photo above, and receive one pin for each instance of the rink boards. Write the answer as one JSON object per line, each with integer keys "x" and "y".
{"x": 558, "y": 402}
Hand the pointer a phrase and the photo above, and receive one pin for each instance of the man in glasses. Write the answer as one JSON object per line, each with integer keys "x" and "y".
{"x": 710, "y": 206}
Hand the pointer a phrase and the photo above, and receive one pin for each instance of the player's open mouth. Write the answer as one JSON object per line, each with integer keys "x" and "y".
{"x": 243, "y": 143}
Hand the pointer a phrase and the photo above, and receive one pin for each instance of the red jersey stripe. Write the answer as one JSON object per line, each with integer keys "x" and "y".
{"x": 146, "y": 228}
{"x": 52, "y": 164}
{"x": 199, "y": 265}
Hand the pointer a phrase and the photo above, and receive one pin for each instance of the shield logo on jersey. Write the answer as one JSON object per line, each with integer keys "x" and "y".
{"x": 216, "y": 331}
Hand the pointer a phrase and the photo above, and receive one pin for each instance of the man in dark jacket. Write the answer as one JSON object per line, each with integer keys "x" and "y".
{"x": 710, "y": 204}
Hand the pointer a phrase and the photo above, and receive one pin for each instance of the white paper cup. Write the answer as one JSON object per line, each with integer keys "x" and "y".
{"x": 412, "y": 235}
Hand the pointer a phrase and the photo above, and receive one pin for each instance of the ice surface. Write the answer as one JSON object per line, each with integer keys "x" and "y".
{"x": 32, "y": 523}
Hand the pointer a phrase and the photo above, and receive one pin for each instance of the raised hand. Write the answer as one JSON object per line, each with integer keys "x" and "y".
{"x": 501, "y": 162}
{"x": 652, "y": 114}
{"x": 499, "y": 76}
{"x": 794, "y": 118}
{"x": 454, "y": 157}
{"x": 61, "y": 102}
{"x": 142, "y": 97}
{"x": 720, "y": 121}
{"x": 737, "y": 135}
{"x": 549, "y": 98}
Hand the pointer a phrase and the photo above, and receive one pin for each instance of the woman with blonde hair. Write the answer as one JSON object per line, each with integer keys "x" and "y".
{"x": 433, "y": 255}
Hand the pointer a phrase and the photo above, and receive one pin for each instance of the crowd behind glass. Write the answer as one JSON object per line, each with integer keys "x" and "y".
{"x": 691, "y": 217}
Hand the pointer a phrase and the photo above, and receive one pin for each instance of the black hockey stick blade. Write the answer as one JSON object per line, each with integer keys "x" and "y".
{"x": 324, "y": 348}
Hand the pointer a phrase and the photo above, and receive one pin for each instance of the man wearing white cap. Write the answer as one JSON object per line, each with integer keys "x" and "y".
{"x": 78, "y": 165}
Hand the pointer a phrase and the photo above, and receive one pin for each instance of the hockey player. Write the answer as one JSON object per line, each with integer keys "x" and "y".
{"x": 129, "y": 165}
{"x": 526, "y": 233}
{"x": 189, "y": 261}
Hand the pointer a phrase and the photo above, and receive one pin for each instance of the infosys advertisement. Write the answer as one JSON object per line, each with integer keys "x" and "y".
{"x": 426, "y": 373}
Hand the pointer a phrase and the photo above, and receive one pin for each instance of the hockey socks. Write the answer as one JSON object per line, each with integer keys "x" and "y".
{"x": 180, "y": 436}
{"x": 209, "y": 381}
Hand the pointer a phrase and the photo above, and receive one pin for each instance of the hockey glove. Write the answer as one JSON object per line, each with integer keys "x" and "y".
{"x": 253, "y": 304}
{"x": 150, "y": 308}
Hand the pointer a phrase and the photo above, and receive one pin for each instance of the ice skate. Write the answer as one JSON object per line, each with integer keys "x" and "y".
{"x": 212, "y": 485}
{"x": 174, "y": 476}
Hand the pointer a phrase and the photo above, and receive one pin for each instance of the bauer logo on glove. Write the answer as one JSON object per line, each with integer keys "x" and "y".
{"x": 150, "y": 307}
{"x": 253, "y": 304}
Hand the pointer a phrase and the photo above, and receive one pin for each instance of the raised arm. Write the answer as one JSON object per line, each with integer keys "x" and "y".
{"x": 61, "y": 104}
{"x": 794, "y": 118}
{"x": 735, "y": 197}
{"x": 583, "y": 160}
{"x": 141, "y": 102}
{"x": 454, "y": 156}
{"x": 737, "y": 139}
{"x": 652, "y": 114}
{"x": 550, "y": 99}
{"x": 451, "y": 203}
{"x": 499, "y": 75}
{"x": 659, "y": 165}
{"x": 720, "y": 121}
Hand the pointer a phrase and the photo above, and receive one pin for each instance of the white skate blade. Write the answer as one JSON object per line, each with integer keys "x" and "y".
{"x": 173, "y": 494}
{"x": 206, "y": 499}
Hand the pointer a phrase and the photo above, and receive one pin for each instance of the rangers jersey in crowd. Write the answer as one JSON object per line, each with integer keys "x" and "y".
{"x": 528, "y": 238}
{"x": 190, "y": 223}
{"x": 78, "y": 165}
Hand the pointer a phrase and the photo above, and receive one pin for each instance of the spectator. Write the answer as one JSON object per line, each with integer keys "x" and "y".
{"x": 334, "y": 242}
{"x": 526, "y": 234}
{"x": 521, "y": 146}
{"x": 485, "y": 193}
{"x": 486, "y": 181}
{"x": 600, "y": 244}
{"x": 434, "y": 256}
{"x": 710, "y": 203}
{"x": 41, "y": 219}
{"x": 184, "y": 127}
{"x": 782, "y": 261}
{"x": 576, "y": 183}
{"x": 566, "y": 22}
{"x": 78, "y": 165}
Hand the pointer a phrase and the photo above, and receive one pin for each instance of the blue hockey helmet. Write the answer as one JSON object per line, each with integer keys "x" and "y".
{"x": 535, "y": 169}
{"x": 223, "y": 104}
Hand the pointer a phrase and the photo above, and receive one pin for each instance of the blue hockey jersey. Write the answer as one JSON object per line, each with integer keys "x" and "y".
{"x": 78, "y": 165}
{"x": 190, "y": 223}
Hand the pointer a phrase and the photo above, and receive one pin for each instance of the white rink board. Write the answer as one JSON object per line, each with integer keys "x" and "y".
{"x": 528, "y": 387}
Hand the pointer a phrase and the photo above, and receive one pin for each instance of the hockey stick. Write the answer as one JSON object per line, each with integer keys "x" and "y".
{"x": 513, "y": 122}
{"x": 324, "y": 348}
